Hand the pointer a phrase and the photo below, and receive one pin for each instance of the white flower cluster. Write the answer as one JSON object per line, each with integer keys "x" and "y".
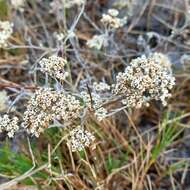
{"x": 94, "y": 100}
{"x": 79, "y": 138}
{"x": 145, "y": 79}
{"x": 98, "y": 41}
{"x": 6, "y": 29}
{"x": 47, "y": 105}
{"x": 54, "y": 66}
{"x": 10, "y": 126}
{"x": 112, "y": 20}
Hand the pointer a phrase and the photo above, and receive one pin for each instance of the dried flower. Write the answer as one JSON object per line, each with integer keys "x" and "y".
{"x": 6, "y": 29}
{"x": 47, "y": 105}
{"x": 79, "y": 138}
{"x": 3, "y": 100}
{"x": 98, "y": 41}
{"x": 110, "y": 19}
{"x": 10, "y": 126}
{"x": 54, "y": 66}
{"x": 145, "y": 79}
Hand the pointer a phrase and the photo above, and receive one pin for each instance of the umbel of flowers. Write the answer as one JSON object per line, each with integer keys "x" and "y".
{"x": 54, "y": 66}
{"x": 47, "y": 105}
{"x": 143, "y": 80}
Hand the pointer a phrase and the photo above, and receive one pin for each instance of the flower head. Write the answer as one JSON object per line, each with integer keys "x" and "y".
{"x": 110, "y": 19}
{"x": 9, "y": 125}
{"x": 54, "y": 66}
{"x": 47, "y": 105}
{"x": 79, "y": 138}
{"x": 145, "y": 79}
